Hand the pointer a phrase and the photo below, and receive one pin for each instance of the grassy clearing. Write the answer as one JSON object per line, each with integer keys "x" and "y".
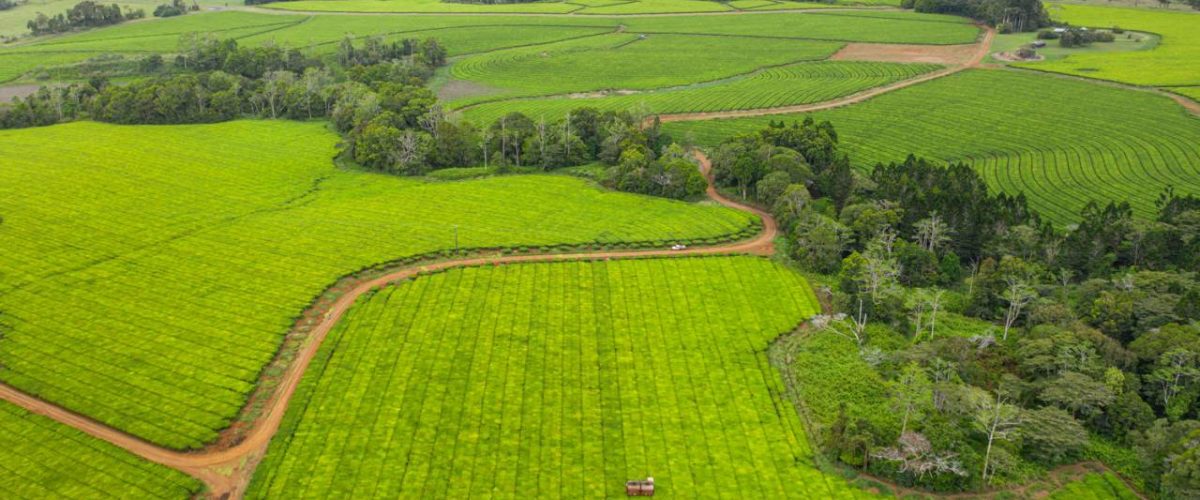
{"x": 1172, "y": 62}
{"x": 630, "y": 61}
{"x": 1097, "y": 486}
{"x": 41, "y": 458}
{"x": 186, "y": 252}
{"x": 1128, "y": 42}
{"x": 555, "y": 380}
{"x": 1060, "y": 141}
{"x": 800, "y": 83}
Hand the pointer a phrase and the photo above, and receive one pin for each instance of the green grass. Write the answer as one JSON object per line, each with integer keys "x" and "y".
{"x": 829, "y": 372}
{"x": 598, "y": 7}
{"x": 1060, "y": 141}
{"x": 40, "y": 458}
{"x": 474, "y": 34}
{"x": 1193, "y": 92}
{"x": 1128, "y": 42}
{"x": 630, "y": 61}
{"x": 320, "y": 34}
{"x": 1172, "y": 62}
{"x": 150, "y": 272}
{"x": 555, "y": 380}
{"x": 1096, "y": 486}
{"x": 800, "y": 83}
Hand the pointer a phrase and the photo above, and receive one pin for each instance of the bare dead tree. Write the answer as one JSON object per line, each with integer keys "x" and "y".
{"x": 998, "y": 420}
{"x": 1018, "y": 294}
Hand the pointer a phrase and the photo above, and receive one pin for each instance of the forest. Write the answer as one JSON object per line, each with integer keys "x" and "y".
{"x": 995, "y": 345}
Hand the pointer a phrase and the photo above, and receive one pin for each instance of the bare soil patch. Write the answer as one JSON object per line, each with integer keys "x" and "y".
{"x": 7, "y": 93}
{"x": 1013, "y": 57}
{"x": 458, "y": 89}
{"x": 950, "y": 55}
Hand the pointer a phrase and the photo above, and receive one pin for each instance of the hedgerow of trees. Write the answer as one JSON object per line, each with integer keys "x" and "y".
{"x": 1005, "y": 15}
{"x": 374, "y": 93}
{"x": 85, "y": 14}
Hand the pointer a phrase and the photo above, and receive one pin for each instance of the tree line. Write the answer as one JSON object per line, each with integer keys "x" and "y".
{"x": 374, "y": 93}
{"x": 83, "y": 15}
{"x": 1006, "y": 15}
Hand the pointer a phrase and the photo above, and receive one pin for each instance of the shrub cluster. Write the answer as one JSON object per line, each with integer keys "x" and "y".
{"x": 1006, "y": 15}
{"x": 85, "y": 14}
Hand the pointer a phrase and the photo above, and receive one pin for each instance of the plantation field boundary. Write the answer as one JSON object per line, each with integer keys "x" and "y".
{"x": 604, "y": 93}
{"x": 981, "y": 51}
{"x": 226, "y": 469}
{"x": 1189, "y": 104}
{"x": 574, "y": 13}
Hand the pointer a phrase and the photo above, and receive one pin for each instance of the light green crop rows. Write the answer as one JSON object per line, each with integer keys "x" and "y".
{"x": 1102, "y": 486}
{"x": 1173, "y": 62}
{"x": 630, "y": 61}
{"x": 1193, "y": 92}
{"x": 150, "y": 272}
{"x": 558, "y": 380}
{"x": 800, "y": 83}
{"x": 40, "y": 458}
{"x": 554, "y": 7}
{"x": 1060, "y": 141}
{"x": 881, "y": 27}
{"x": 472, "y": 34}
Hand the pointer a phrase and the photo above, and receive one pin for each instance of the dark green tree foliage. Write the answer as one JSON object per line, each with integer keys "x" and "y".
{"x": 1052, "y": 436}
{"x": 376, "y": 50}
{"x": 84, "y": 15}
{"x": 958, "y": 195}
{"x": 206, "y": 53}
{"x": 806, "y": 152}
{"x": 1005, "y": 15}
{"x": 639, "y": 157}
{"x": 175, "y": 8}
{"x": 1079, "y": 37}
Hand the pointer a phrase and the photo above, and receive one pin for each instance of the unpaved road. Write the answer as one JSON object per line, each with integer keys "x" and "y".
{"x": 227, "y": 471}
{"x": 981, "y": 51}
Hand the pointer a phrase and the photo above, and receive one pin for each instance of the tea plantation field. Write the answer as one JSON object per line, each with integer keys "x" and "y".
{"x": 1171, "y": 63}
{"x": 630, "y": 61}
{"x": 1060, "y": 141}
{"x": 40, "y": 458}
{"x": 180, "y": 255}
{"x": 474, "y": 34}
{"x": 800, "y": 83}
{"x": 555, "y": 380}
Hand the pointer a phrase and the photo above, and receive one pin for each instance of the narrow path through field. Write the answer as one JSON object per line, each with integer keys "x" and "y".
{"x": 981, "y": 50}
{"x": 227, "y": 470}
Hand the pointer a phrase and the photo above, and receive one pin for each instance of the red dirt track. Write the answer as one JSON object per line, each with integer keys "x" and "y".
{"x": 227, "y": 471}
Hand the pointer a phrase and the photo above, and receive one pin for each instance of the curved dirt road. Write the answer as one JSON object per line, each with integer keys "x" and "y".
{"x": 227, "y": 471}
{"x": 983, "y": 47}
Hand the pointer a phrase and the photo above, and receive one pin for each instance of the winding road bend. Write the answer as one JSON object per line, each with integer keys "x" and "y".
{"x": 227, "y": 471}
